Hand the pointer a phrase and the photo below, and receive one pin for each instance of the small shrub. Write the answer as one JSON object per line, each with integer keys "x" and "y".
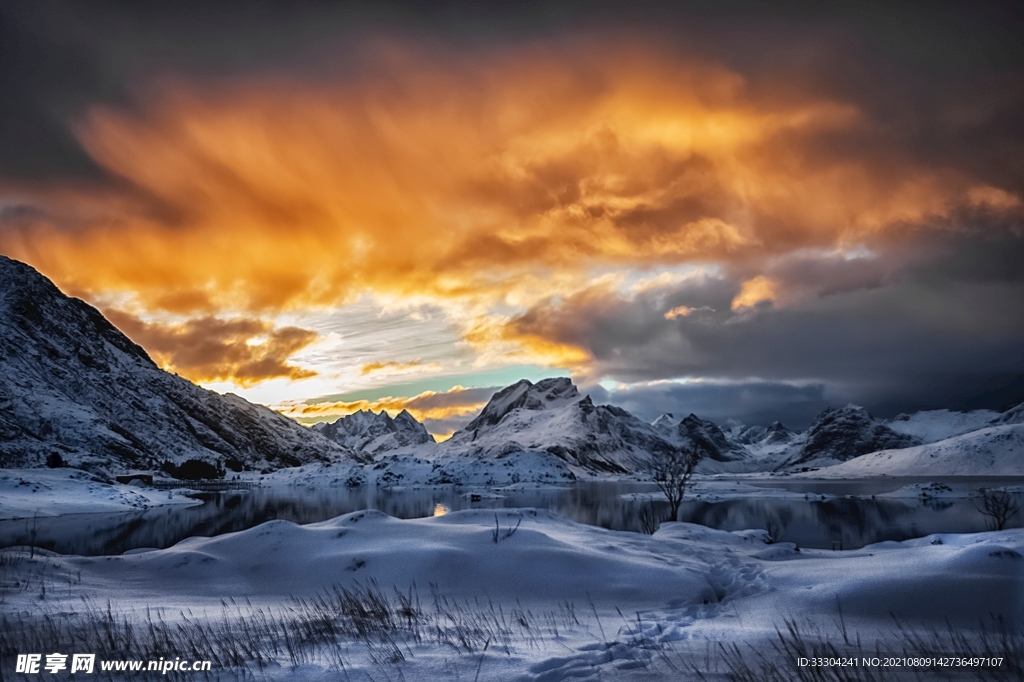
{"x": 197, "y": 470}
{"x": 649, "y": 519}
{"x": 497, "y": 535}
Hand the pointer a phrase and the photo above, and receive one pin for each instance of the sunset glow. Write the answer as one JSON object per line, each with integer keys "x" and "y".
{"x": 501, "y": 202}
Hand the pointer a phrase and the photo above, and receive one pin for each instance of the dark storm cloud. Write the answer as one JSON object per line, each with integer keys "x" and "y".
{"x": 942, "y": 80}
{"x": 45, "y": 80}
{"x": 934, "y": 325}
{"x": 755, "y": 402}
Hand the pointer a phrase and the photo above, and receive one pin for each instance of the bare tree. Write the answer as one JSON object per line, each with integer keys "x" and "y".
{"x": 999, "y": 506}
{"x": 773, "y": 526}
{"x": 671, "y": 470}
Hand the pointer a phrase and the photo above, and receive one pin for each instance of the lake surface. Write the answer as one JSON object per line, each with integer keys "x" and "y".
{"x": 850, "y": 519}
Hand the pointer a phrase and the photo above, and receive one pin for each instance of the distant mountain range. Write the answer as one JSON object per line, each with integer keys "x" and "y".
{"x": 74, "y": 390}
{"x": 552, "y": 419}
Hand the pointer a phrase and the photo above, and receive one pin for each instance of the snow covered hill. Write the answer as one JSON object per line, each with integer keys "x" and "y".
{"x": 991, "y": 451}
{"x": 1014, "y": 415}
{"x": 931, "y": 426}
{"x": 75, "y": 389}
{"x": 373, "y": 433}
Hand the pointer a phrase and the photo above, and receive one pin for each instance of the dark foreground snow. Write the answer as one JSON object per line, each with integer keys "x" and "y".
{"x": 521, "y": 594}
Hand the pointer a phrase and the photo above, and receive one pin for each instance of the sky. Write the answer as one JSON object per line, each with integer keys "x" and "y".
{"x": 741, "y": 210}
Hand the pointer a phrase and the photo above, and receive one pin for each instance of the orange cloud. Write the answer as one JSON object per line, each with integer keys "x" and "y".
{"x": 449, "y": 175}
{"x": 394, "y": 366}
{"x": 243, "y": 351}
{"x": 754, "y": 291}
{"x": 500, "y": 338}
{"x": 679, "y": 311}
{"x": 686, "y": 311}
{"x": 456, "y": 402}
{"x": 487, "y": 181}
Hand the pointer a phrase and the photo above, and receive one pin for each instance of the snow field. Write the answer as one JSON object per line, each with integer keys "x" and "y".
{"x": 612, "y": 597}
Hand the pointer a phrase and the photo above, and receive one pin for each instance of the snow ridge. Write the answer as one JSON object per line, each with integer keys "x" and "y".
{"x": 74, "y": 389}
{"x": 932, "y": 426}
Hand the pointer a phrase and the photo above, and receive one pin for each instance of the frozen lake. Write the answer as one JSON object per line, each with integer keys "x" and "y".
{"x": 847, "y": 517}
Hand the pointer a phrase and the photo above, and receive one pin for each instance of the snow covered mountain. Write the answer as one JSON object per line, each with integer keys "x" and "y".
{"x": 704, "y": 434}
{"x": 548, "y": 433}
{"x": 773, "y": 434}
{"x": 846, "y": 432}
{"x": 553, "y": 417}
{"x": 75, "y": 389}
{"x": 992, "y": 451}
{"x": 975, "y": 443}
{"x": 372, "y": 433}
{"x": 741, "y": 434}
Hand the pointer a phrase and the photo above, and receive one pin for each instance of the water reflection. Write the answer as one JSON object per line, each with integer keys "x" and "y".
{"x": 846, "y": 522}
{"x": 840, "y": 523}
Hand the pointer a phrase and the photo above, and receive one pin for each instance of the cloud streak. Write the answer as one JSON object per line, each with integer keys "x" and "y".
{"x": 395, "y": 367}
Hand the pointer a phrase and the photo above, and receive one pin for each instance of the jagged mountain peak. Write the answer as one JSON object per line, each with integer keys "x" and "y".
{"x": 842, "y": 433}
{"x": 404, "y": 417}
{"x": 36, "y": 307}
{"x": 666, "y": 420}
{"x": 701, "y": 433}
{"x": 372, "y": 432}
{"x": 695, "y": 420}
{"x": 525, "y": 395}
{"x": 848, "y": 408}
{"x": 553, "y": 417}
{"x": 756, "y": 435}
{"x": 777, "y": 433}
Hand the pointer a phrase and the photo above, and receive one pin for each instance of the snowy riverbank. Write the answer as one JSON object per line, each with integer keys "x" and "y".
{"x": 53, "y": 492}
